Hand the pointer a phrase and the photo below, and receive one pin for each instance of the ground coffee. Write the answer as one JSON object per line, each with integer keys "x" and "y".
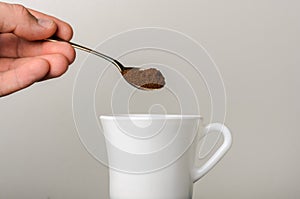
{"x": 145, "y": 78}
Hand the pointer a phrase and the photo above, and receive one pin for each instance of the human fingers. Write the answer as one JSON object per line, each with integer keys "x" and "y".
{"x": 18, "y": 20}
{"x": 14, "y": 47}
{"x": 21, "y": 73}
{"x": 16, "y": 74}
{"x": 58, "y": 65}
{"x": 64, "y": 30}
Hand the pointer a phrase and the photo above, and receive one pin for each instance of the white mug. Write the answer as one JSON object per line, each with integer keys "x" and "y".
{"x": 153, "y": 156}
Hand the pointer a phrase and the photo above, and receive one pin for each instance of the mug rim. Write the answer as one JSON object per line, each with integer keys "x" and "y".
{"x": 138, "y": 116}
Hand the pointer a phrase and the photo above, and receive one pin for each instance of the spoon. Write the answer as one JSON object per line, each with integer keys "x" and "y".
{"x": 144, "y": 79}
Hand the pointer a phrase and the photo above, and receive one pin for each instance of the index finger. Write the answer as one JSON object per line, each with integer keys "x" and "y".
{"x": 64, "y": 30}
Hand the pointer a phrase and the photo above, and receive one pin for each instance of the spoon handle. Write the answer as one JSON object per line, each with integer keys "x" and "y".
{"x": 86, "y": 49}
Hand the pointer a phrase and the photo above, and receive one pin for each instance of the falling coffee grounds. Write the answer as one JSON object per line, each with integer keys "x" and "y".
{"x": 145, "y": 78}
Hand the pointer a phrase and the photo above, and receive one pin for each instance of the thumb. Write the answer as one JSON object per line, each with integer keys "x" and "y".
{"x": 18, "y": 20}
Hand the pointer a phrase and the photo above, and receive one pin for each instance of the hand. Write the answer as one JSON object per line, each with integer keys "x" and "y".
{"x": 24, "y": 58}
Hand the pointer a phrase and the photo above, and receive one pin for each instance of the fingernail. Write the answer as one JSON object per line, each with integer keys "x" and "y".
{"x": 45, "y": 22}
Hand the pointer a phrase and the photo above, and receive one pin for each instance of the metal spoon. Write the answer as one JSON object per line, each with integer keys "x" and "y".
{"x": 154, "y": 80}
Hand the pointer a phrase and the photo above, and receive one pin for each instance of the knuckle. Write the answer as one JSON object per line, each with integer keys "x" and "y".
{"x": 18, "y": 7}
{"x": 20, "y": 10}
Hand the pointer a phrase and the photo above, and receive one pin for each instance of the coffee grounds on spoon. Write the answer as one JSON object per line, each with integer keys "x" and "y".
{"x": 145, "y": 78}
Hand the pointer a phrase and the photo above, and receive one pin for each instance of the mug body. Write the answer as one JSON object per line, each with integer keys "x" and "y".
{"x": 172, "y": 182}
{"x": 151, "y": 156}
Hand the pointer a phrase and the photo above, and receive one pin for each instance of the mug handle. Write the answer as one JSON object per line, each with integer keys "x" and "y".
{"x": 198, "y": 173}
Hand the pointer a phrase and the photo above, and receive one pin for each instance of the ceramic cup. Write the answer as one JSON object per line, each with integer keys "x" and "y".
{"x": 153, "y": 156}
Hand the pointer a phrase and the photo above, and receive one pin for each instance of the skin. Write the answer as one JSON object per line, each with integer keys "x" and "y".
{"x": 24, "y": 58}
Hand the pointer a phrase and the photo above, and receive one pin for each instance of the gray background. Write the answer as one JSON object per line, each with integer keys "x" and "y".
{"x": 256, "y": 46}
